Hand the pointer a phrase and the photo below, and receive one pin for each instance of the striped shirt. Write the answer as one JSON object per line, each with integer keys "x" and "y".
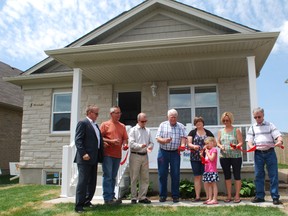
{"x": 176, "y": 132}
{"x": 263, "y": 135}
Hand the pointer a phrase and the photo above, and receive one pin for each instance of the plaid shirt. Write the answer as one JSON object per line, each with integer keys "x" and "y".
{"x": 176, "y": 131}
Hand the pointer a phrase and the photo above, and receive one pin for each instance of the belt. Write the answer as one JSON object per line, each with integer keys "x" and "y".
{"x": 139, "y": 153}
{"x": 176, "y": 150}
{"x": 265, "y": 151}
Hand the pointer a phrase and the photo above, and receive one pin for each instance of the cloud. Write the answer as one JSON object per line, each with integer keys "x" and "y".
{"x": 28, "y": 27}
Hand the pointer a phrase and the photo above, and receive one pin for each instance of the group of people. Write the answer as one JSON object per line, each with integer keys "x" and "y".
{"x": 104, "y": 145}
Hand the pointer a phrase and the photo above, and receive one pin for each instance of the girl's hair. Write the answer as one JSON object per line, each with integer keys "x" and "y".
{"x": 210, "y": 139}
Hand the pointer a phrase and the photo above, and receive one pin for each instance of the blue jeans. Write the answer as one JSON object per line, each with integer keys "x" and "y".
{"x": 110, "y": 168}
{"x": 166, "y": 158}
{"x": 270, "y": 159}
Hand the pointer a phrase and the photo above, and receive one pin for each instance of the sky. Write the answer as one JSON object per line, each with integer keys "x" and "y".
{"x": 29, "y": 27}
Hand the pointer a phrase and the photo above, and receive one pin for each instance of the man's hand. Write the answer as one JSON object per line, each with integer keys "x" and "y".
{"x": 86, "y": 157}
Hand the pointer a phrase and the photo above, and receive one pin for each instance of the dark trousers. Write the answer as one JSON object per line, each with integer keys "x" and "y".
{"x": 87, "y": 177}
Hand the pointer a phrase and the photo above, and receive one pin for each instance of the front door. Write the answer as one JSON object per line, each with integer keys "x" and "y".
{"x": 130, "y": 105}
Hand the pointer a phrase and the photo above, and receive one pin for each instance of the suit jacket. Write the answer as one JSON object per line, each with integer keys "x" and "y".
{"x": 86, "y": 142}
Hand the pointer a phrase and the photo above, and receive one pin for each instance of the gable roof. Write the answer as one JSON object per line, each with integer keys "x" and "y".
{"x": 10, "y": 94}
{"x": 104, "y": 42}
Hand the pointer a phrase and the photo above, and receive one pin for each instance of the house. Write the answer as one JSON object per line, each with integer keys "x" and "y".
{"x": 11, "y": 100}
{"x": 159, "y": 55}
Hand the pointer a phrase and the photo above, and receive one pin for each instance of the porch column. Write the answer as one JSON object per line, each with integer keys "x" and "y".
{"x": 252, "y": 84}
{"x": 68, "y": 150}
{"x": 75, "y": 104}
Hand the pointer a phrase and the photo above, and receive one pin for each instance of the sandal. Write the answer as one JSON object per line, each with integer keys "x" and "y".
{"x": 237, "y": 200}
{"x": 212, "y": 202}
{"x": 196, "y": 200}
{"x": 227, "y": 200}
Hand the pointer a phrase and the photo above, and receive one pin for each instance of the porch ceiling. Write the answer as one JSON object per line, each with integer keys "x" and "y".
{"x": 204, "y": 57}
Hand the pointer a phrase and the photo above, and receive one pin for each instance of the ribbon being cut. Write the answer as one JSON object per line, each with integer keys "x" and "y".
{"x": 125, "y": 148}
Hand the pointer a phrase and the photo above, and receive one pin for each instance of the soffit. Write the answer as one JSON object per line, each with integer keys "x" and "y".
{"x": 202, "y": 57}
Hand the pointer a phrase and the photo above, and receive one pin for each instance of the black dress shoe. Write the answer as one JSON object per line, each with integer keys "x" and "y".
{"x": 146, "y": 201}
{"x": 277, "y": 202}
{"x": 133, "y": 201}
{"x": 162, "y": 199}
{"x": 175, "y": 199}
{"x": 257, "y": 200}
{"x": 79, "y": 210}
{"x": 89, "y": 205}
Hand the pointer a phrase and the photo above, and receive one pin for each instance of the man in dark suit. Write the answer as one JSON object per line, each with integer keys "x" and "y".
{"x": 89, "y": 144}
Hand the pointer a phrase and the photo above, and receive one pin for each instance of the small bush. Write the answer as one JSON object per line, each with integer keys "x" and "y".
{"x": 248, "y": 188}
{"x": 186, "y": 189}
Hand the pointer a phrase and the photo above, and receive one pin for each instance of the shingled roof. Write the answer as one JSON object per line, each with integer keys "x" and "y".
{"x": 10, "y": 94}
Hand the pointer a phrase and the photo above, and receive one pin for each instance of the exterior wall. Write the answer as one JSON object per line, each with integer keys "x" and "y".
{"x": 234, "y": 97}
{"x": 161, "y": 26}
{"x": 40, "y": 149}
{"x": 10, "y": 137}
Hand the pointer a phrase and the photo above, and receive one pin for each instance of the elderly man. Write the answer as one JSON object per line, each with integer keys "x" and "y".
{"x": 115, "y": 136}
{"x": 170, "y": 136}
{"x": 266, "y": 137}
{"x": 140, "y": 142}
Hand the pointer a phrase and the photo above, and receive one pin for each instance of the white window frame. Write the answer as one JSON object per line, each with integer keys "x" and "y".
{"x": 52, "y": 112}
{"x": 44, "y": 176}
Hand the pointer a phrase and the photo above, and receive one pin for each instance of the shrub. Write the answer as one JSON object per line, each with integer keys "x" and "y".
{"x": 248, "y": 188}
{"x": 186, "y": 189}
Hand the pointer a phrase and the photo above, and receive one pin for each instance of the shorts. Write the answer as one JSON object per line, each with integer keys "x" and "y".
{"x": 197, "y": 168}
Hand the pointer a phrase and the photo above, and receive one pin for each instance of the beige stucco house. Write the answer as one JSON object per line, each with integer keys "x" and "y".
{"x": 11, "y": 102}
{"x": 160, "y": 54}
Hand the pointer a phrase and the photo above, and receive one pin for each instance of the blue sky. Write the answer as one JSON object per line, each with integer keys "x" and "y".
{"x": 28, "y": 27}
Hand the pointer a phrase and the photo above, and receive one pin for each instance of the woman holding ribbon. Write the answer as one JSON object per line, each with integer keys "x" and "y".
{"x": 230, "y": 142}
{"x": 196, "y": 143}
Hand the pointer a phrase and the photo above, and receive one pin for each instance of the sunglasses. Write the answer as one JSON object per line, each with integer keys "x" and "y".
{"x": 96, "y": 113}
{"x": 225, "y": 120}
{"x": 257, "y": 117}
{"x": 143, "y": 121}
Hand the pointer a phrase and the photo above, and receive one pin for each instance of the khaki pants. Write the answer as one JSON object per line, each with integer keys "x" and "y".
{"x": 139, "y": 170}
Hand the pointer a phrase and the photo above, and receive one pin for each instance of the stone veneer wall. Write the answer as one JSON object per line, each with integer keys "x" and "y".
{"x": 10, "y": 137}
{"x": 40, "y": 149}
{"x": 234, "y": 97}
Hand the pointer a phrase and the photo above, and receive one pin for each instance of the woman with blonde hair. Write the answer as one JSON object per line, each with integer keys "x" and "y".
{"x": 229, "y": 141}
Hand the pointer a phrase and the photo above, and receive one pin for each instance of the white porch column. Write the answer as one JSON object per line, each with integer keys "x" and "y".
{"x": 252, "y": 84}
{"x": 68, "y": 150}
{"x": 75, "y": 104}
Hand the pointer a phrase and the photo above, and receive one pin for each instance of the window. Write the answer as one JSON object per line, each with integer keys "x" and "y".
{"x": 195, "y": 101}
{"x": 61, "y": 112}
{"x": 52, "y": 177}
{"x": 180, "y": 99}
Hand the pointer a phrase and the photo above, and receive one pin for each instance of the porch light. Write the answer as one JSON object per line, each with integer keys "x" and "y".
{"x": 154, "y": 88}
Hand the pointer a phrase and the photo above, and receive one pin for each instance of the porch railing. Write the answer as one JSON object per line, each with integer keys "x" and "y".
{"x": 70, "y": 173}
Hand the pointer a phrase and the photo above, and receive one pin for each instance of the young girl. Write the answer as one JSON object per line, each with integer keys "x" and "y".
{"x": 210, "y": 175}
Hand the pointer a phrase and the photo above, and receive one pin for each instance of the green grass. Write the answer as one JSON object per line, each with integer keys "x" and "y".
{"x": 22, "y": 200}
{"x": 282, "y": 166}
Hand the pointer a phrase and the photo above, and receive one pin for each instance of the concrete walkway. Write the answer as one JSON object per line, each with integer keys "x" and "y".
{"x": 187, "y": 203}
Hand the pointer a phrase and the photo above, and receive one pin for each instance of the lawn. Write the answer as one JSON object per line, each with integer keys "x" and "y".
{"x": 28, "y": 200}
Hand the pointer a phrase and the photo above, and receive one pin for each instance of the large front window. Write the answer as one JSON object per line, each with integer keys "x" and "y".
{"x": 195, "y": 101}
{"x": 61, "y": 112}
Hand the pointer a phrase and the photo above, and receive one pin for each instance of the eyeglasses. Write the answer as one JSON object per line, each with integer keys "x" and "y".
{"x": 143, "y": 121}
{"x": 96, "y": 113}
{"x": 257, "y": 117}
{"x": 117, "y": 113}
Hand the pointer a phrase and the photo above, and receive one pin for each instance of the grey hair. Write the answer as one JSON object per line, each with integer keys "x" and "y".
{"x": 172, "y": 112}
{"x": 258, "y": 109}
{"x": 140, "y": 115}
{"x": 112, "y": 109}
